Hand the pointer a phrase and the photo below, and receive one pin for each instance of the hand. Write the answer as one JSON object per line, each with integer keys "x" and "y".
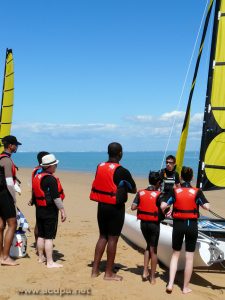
{"x": 17, "y": 188}
{"x": 63, "y": 215}
{"x": 169, "y": 213}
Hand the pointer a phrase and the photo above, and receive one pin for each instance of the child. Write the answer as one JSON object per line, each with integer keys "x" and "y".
{"x": 147, "y": 202}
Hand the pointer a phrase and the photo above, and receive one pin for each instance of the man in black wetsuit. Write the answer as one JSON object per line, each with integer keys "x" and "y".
{"x": 170, "y": 178}
{"x": 110, "y": 187}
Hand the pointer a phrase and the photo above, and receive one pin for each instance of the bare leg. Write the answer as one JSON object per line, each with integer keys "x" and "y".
{"x": 146, "y": 263}
{"x": 2, "y": 227}
{"x": 48, "y": 251}
{"x": 173, "y": 270}
{"x": 7, "y": 260}
{"x": 188, "y": 271}
{"x": 154, "y": 260}
{"x": 111, "y": 253}
{"x": 99, "y": 250}
{"x": 40, "y": 249}
{"x": 36, "y": 235}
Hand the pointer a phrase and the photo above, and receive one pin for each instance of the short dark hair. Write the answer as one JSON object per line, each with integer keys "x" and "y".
{"x": 187, "y": 174}
{"x": 114, "y": 149}
{"x": 40, "y": 155}
{"x": 171, "y": 157}
{"x": 154, "y": 177}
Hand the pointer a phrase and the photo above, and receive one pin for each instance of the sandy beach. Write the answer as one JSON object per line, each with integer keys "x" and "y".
{"x": 74, "y": 248}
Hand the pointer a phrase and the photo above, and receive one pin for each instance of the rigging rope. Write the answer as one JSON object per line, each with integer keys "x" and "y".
{"x": 184, "y": 84}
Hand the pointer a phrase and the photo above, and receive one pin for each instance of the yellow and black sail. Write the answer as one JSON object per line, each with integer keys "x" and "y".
{"x": 211, "y": 174}
{"x": 184, "y": 132}
{"x": 7, "y": 97}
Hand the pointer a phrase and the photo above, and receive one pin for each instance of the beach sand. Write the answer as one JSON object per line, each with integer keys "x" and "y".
{"x": 74, "y": 248}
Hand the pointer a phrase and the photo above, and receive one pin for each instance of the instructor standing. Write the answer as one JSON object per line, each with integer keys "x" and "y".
{"x": 8, "y": 187}
{"x": 110, "y": 187}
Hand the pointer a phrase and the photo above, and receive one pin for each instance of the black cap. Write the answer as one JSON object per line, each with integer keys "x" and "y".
{"x": 11, "y": 139}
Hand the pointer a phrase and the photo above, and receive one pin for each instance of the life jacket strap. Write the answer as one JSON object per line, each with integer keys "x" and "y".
{"x": 103, "y": 192}
{"x": 155, "y": 213}
{"x": 184, "y": 211}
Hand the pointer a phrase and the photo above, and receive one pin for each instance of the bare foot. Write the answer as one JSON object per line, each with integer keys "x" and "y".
{"x": 9, "y": 262}
{"x": 169, "y": 289}
{"x": 93, "y": 274}
{"x": 186, "y": 290}
{"x": 54, "y": 265}
{"x": 42, "y": 259}
{"x": 113, "y": 277}
{"x": 153, "y": 281}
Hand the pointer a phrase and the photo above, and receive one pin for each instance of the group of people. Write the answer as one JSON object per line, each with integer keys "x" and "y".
{"x": 168, "y": 194}
{"x": 47, "y": 196}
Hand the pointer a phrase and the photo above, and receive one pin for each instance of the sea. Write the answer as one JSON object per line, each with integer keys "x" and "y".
{"x": 138, "y": 163}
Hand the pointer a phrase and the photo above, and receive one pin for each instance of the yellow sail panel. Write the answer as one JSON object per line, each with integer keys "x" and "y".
{"x": 218, "y": 86}
{"x": 7, "y": 97}
{"x": 215, "y": 161}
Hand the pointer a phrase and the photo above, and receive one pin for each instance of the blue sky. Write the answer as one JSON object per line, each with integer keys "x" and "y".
{"x": 89, "y": 72}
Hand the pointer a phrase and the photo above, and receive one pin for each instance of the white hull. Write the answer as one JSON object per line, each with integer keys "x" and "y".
{"x": 131, "y": 230}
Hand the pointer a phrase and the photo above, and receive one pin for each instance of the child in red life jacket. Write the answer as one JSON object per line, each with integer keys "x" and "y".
{"x": 147, "y": 202}
{"x": 185, "y": 200}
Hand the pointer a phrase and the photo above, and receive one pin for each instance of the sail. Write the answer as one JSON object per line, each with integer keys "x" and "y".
{"x": 7, "y": 97}
{"x": 184, "y": 132}
{"x": 211, "y": 173}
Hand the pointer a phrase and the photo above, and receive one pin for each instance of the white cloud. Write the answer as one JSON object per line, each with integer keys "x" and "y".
{"x": 178, "y": 115}
{"x": 151, "y": 131}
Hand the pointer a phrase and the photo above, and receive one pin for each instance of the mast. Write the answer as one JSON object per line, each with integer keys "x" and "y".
{"x": 7, "y": 97}
{"x": 184, "y": 132}
{"x": 211, "y": 171}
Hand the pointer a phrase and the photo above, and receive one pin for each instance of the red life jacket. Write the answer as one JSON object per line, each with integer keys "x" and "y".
{"x": 39, "y": 194}
{"x": 147, "y": 208}
{"x": 103, "y": 187}
{"x": 34, "y": 172}
{"x": 14, "y": 168}
{"x": 185, "y": 206}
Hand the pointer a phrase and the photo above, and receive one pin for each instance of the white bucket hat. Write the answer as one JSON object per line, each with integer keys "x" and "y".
{"x": 49, "y": 160}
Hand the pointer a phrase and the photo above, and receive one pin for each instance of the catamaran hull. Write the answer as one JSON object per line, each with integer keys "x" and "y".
{"x": 203, "y": 255}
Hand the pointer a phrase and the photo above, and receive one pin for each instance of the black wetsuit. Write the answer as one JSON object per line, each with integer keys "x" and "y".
{"x": 187, "y": 228}
{"x": 111, "y": 217}
{"x": 151, "y": 229}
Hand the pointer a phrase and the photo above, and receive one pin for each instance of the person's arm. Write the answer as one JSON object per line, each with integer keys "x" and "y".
{"x": 177, "y": 180}
{"x": 202, "y": 201}
{"x": 59, "y": 204}
{"x": 7, "y": 165}
{"x": 135, "y": 203}
{"x": 123, "y": 177}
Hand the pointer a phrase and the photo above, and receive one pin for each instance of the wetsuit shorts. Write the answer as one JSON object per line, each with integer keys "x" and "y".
{"x": 7, "y": 205}
{"x": 110, "y": 219}
{"x": 47, "y": 227}
{"x": 150, "y": 231}
{"x": 187, "y": 229}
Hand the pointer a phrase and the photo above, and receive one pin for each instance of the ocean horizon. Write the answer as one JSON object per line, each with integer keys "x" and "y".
{"x": 138, "y": 163}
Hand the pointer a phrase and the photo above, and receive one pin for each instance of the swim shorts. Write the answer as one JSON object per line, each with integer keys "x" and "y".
{"x": 150, "y": 231}
{"x": 110, "y": 219}
{"x": 47, "y": 227}
{"x": 187, "y": 229}
{"x": 7, "y": 205}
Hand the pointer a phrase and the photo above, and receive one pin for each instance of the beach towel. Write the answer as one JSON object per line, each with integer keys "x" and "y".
{"x": 21, "y": 221}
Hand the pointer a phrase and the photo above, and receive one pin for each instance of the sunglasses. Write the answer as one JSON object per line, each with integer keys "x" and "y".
{"x": 169, "y": 162}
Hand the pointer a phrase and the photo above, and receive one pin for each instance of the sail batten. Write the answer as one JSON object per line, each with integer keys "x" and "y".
{"x": 7, "y": 97}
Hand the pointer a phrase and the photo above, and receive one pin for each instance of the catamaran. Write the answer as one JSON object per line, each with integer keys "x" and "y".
{"x": 210, "y": 247}
{"x": 7, "y": 97}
